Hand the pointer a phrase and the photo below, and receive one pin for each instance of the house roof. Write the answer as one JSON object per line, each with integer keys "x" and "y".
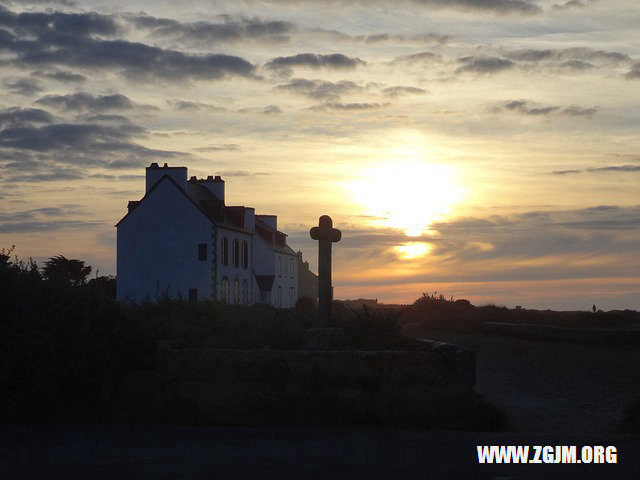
{"x": 268, "y": 234}
{"x": 201, "y": 197}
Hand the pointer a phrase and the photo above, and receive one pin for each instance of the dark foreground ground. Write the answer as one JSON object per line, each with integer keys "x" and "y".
{"x": 171, "y": 452}
{"x": 554, "y": 394}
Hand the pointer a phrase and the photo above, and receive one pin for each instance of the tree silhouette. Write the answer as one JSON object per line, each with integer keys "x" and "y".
{"x": 66, "y": 270}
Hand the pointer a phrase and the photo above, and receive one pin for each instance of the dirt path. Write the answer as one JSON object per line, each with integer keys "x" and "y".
{"x": 552, "y": 387}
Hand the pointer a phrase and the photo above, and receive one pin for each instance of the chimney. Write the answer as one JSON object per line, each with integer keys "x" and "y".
{"x": 154, "y": 173}
{"x": 270, "y": 220}
{"x": 249, "y": 218}
{"x": 215, "y": 186}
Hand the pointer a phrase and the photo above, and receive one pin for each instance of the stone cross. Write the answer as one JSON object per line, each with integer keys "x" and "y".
{"x": 326, "y": 235}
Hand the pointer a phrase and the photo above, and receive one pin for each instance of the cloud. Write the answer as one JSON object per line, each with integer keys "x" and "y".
{"x": 419, "y": 38}
{"x": 565, "y": 172}
{"x": 319, "y": 89}
{"x": 377, "y": 38}
{"x": 634, "y": 73}
{"x": 35, "y": 146}
{"x": 141, "y": 62}
{"x": 18, "y": 115}
{"x": 335, "y": 61}
{"x": 349, "y": 106}
{"x": 483, "y": 65}
{"x": 46, "y": 226}
{"x": 582, "y": 54}
{"x": 37, "y": 213}
{"x": 64, "y": 3}
{"x": 493, "y": 6}
{"x": 569, "y": 4}
{"x": 576, "y": 65}
{"x": 57, "y": 25}
{"x": 61, "y": 76}
{"x": 24, "y": 86}
{"x": 186, "y": 105}
{"x": 232, "y": 29}
{"x": 242, "y": 173}
{"x": 500, "y": 7}
{"x": 268, "y": 110}
{"x": 527, "y": 107}
{"x": 83, "y": 101}
{"x": 47, "y": 175}
{"x": 399, "y": 90}
{"x": 530, "y": 245}
{"x": 231, "y": 147}
{"x": 77, "y": 41}
{"x": 631, "y": 168}
{"x": 578, "y": 111}
{"x": 417, "y": 58}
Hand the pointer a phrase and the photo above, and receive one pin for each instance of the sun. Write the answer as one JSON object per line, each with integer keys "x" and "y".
{"x": 407, "y": 195}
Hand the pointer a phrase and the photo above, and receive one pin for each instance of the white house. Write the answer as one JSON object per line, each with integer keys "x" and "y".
{"x": 181, "y": 240}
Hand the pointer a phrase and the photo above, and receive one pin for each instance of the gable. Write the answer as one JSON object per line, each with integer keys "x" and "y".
{"x": 162, "y": 199}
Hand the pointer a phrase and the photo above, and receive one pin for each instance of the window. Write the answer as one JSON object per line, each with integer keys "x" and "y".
{"x": 279, "y": 266}
{"x": 224, "y": 291}
{"x": 236, "y": 292}
{"x": 193, "y": 294}
{"x": 202, "y": 251}
{"x": 286, "y": 270}
{"x": 279, "y": 296}
{"x": 292, "y": 297}
{"x": 225, "y": 251}
{"x": 236, "y": 253}
{"x": 291, "y": 265}
{"x": 245, "y": 292}
{"x": 245, "y": 254}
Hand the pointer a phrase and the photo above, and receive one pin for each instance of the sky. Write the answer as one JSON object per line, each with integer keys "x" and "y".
{"x": 483, "y": 149}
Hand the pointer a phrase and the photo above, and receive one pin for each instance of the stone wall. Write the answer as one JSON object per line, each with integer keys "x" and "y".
{"x": 221, "y": 381}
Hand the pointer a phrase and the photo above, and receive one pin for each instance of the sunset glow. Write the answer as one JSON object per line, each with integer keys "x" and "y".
{"x": 480, "y": 146}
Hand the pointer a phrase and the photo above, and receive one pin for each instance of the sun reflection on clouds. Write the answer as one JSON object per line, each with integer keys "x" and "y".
{"x": 412, "y": 250}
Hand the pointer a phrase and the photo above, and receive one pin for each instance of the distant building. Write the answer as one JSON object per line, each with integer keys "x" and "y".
{"x": 182, "y": 240}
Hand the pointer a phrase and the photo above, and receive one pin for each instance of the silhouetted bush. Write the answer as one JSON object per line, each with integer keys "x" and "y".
{"x": 437, "y": 312}
{"x": 62, "y": 338}
{"x": 305, "y": 304}
{"x": 366, "y": 328}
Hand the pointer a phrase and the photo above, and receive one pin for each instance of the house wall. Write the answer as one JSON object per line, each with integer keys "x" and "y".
{"x": 158, "y": 247}
{"x": 230, "y": 272}
{"x": 266, "y": 262}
